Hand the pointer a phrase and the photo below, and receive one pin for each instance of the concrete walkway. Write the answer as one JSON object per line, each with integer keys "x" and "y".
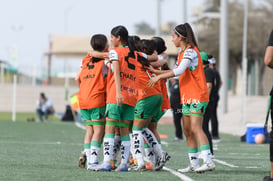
{"x": 230, "y": 122}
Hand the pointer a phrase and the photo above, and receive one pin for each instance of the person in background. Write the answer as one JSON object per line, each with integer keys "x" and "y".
{"x": 268, "y": 60}
{"x": 214, "y": 99}
{"x": 176, "y": 109}
{"x": 210, "y": 79}
{"x": 44, "y": 107}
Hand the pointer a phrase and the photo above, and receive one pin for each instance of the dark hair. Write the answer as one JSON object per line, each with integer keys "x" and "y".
{"x": 210, "y": 56}
{"x": 43, "y": 95}
{"x": 185, "y": 31}
{"x": 133, "y": 44}
{"x": 147, "y": 46}
{"x": 160, "y": 44}
{"x": 122, "y": 32}
{"x": 98, "y": 43}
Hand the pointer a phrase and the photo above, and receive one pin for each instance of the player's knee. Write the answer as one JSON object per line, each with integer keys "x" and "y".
{"x": 188, "y": 132}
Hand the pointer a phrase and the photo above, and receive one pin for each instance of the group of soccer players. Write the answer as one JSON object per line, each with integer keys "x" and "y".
{"x": 123, "y": 95}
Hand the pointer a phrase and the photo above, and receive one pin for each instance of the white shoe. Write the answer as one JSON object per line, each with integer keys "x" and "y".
{"x": 138, "y": 168}
{"x": 216, "y": 140}
{"x": 122, "y": 168}
{"x": 92, "y": 166}
{"x": 209, "y": 166}
{"x": 188, "y": 169}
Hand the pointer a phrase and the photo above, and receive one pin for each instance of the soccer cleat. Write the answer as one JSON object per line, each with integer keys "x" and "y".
{"x": 112, "y": 163}
{"x": 122, "y": 168}
{"x": 82, "y": 160}
{"x": 92, "y": 166}
{"x": 188, "y": 169}
{"x": 104, "y": 167}
{"x": 209, "y": 166}
{"x": 160, "y": 162}
{"x": 135, "y": 161}
{"x": 138, "y": 168}
{"x": 131, "y": 161}
{"x": 149, "y": 166}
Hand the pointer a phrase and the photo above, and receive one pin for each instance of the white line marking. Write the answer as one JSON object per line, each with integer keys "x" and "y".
{"x": 178, "y": 174}
{"x": 225, "y": 163}
{"x": 38, "y": 143}
{"x": 164, "y": 143}
{"x": 252, "y": 167}
{"x": 79, "y": 125}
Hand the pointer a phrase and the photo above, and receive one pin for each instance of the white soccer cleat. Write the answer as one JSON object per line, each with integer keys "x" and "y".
{"x": 92, "y": 166}
{"x": 122, "y": 168}
{"x": 188, "y": 169}
{"x": 138, "y": 168}
{"x": 209, "y": 166}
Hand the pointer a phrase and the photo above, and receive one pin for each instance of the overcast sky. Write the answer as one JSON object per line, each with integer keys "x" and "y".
{"x": 27, "y": 24}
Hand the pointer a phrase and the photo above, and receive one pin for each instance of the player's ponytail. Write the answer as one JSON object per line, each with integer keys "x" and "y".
{"x": 185, "y": 31}
{"x": 148, "y": 47}
{"x": 133, "y": 45}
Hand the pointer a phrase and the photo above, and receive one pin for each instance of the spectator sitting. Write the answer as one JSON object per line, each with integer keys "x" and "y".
{"x": 44, "y": 107}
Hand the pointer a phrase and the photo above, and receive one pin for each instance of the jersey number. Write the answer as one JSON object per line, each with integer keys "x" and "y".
{"x": 130, "y": 66}
{"x": 90, "y": 66}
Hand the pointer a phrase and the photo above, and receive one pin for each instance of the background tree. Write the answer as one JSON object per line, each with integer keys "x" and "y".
{"x": 260, "y": 25}
{"x": 168, "y": 28}
{"x": 144, "y": 28}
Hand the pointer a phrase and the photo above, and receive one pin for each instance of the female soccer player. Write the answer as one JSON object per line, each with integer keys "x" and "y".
{"x": 92, "y": 82}
{"x": 147, "y": 107}
{"x": 161, "y": 63}
{"x": 121, "y": 99}
{"x": 194, "y": 96}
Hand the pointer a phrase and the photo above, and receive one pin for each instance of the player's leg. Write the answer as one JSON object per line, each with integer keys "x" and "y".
{"x": 196, "y": 119}
{"x": 112, "y": 116}
{"x": 138, "y": 142}
{"x": 85, "y": 155}
{"x": 161, "y": 156}
{"x": 125, "y": 144}
{"x": 191, "y": 143}
{"x": 117, "y": 145}
{"x": 127, "y": 117}
{"x": 98, "y": 122}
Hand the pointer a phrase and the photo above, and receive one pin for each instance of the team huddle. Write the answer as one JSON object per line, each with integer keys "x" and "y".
{"x": 123, "y": 95}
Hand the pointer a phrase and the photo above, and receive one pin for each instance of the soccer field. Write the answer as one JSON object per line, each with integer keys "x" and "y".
{"x": 50, "y": 151}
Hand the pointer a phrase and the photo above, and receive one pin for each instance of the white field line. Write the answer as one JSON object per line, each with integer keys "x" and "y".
{"x": 164, "y": 143}
{"x": 178, "y": 174}
{"x": 79, "y": 125}
{"x": 225, "y": 163}
{"x": 252, "y": 167}
{"x": 37, "y": 143}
